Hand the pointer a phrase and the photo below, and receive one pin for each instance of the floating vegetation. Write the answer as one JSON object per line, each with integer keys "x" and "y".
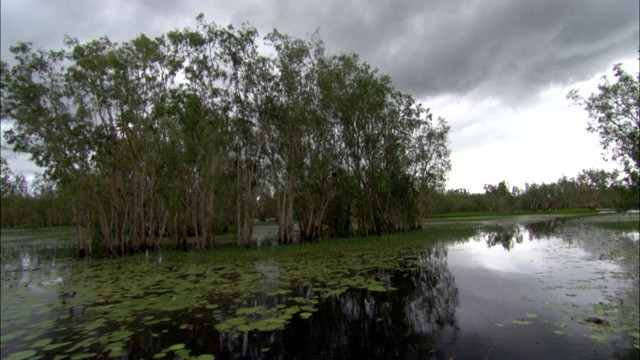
{"x": 176, "y": 347}
{"x": 205, "y": 357}
{"x": 599, "y": 338}
{"x": 563, "y": 333}
{"x": 25, "y": 354}
{"x": 106, "y": 308}
{"x": 305, "y": 315}
{"x": 521, "y": 322}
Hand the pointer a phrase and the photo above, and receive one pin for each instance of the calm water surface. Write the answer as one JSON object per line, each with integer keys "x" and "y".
{"x": 526, "y": 288}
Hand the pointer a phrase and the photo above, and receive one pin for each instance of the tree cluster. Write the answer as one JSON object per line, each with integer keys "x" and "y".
{"x": 35, "y": 205}
{"x": 589, "y": 189}
{"x": 191, "y": 133}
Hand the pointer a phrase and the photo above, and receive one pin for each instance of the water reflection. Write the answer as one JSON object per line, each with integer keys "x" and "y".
{"x": 433, "y": 296}
{"x": 505, "y": 236}
{"x": 447, "y": 298}
{"x": 567, "y": 270}
{"x": 406, "y": 323}
{"x": 508, "y": 234}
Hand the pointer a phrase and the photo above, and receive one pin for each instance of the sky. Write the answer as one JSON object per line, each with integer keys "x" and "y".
{"x": 497, "y": 71}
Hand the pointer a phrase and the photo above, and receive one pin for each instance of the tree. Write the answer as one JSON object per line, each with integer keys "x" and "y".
{"x": 173, "y": 135}
{"x": 595, "y": 183}
{"x": 47, "y": 123}
{"x": 499, "y": 198}
{"x": 615, "y": 116}
{"x": 14, "y": 191}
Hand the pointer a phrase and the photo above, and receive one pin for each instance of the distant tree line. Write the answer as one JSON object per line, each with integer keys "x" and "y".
{"x": 30, "y": 205}
{"x": 197, "y": 132}
{"x": 589, "y": 189}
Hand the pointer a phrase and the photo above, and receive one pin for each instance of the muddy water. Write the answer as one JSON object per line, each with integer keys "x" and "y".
{"x": 513, "y": 288}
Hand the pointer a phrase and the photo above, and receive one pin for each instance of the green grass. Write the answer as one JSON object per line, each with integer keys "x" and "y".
{"x": 472, "y": 214}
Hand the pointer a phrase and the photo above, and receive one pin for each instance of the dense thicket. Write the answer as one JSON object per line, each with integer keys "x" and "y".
{"x": 195, "y": 131}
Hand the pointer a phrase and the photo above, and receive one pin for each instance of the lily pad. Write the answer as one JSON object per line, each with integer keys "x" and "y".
{"x": 176, "y": 347}
{"x": 521, "y": 322}
{"x": 564, "y": 333}
{"x": 42, "y": 343}
{"x": 25, "y": 354}
{"x": 305, "y": 315}
{"x": 264, "y": 326}
{"x": 245, "y": 327}
{"x": 223, "y": 327}
{"x": 597, "y": 338}
{"x": 83, "y": 356}
{"x": 237, "y": 320}
{"x": 183, "y": 353}
{"x": 51, "y": 347}
{"x": 376, "y": 288}
{"x": 116, "y": 352}
{"x": 205, "y": 357}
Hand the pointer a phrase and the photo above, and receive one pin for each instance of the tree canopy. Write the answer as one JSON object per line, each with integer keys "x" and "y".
{"x": 615, "y": 115}
{"x": 190, "y": 133}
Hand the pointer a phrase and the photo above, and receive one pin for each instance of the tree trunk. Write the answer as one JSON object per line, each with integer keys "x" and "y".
{"x": 76, "y": 223}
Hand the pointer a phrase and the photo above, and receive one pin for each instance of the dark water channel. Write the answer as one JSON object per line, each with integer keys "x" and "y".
{"x": 527, "y": 288}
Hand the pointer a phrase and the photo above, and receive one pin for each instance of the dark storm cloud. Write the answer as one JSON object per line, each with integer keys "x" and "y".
{"x": 46, "y": 22}
{"x": 484, "y": 48}
{"x": 486, "y": 65}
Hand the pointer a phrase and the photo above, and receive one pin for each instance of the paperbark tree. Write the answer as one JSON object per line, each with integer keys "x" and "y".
{"x": 178, "y": 136}
{"x": 615, "y": 115}
{"x": 38, "y": 98}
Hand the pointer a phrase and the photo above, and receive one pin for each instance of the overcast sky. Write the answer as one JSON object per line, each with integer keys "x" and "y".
{"x": 498, "y": 71}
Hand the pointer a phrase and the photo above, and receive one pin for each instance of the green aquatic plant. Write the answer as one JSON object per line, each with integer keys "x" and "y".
{"x": 106, "y": 306}
{"x": 521, "y": 322}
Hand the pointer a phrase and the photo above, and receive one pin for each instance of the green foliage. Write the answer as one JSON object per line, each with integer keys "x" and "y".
{"x": 590, "y": 189}
{"x": 615, "y": 115}
{"x": 196, "y": 132}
